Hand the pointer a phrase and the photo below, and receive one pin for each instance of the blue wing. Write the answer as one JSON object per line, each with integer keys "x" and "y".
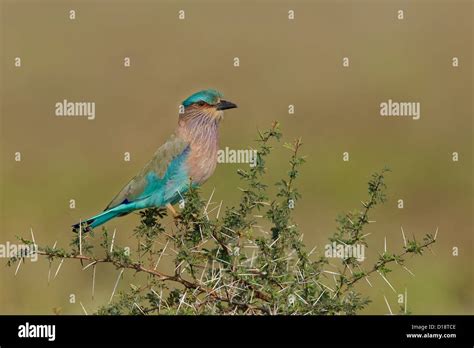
{"x": 163, "y": 180}
{"x": 159, "y": 180}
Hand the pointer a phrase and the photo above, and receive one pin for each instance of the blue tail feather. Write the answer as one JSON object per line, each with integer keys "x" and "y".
{"x": 103, "y": 217}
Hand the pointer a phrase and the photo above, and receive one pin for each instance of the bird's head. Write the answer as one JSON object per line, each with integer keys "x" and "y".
{"x": 206, "y": 103}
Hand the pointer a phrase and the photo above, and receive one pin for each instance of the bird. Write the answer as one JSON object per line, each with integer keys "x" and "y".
{"x": 187, "y": 159}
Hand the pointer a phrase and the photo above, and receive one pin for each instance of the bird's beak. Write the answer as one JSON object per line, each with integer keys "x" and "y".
{"x": 224, "y": 105}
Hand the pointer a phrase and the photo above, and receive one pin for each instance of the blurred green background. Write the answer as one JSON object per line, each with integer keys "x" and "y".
{"x": 282, "y": 62}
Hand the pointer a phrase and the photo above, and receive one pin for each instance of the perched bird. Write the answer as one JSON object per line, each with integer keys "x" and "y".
{"x": 189, "y": 156}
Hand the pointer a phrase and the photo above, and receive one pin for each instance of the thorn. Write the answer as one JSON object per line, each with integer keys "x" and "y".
{"x": 203, "y": 271}
{"x": 406, "y": 269}
{"x": 274, "y": 241}
{"x": 93, "y": 281}
{"x": 162, "y": 252}
{"x": 404, "y": 238}
{"x": 200, "y": 232}
{"x": 302, "y": 299}
{"x": 181, "y": 301}
{"x": 80, "y": 237}
{"x": 327, "y": 287}
{"x": 113, "y": 240}
{"x": 390, "y": 309}
{"x": 179, "y": 193}
{"x": 322, "y": 293}
{"x": 49, "y": 271}
{"x": 179, "y": 265}
{"x": 386, "y": 280}
{"x": 116, "y": 284}
{"x": 59, "y": 267}
{"x": 209, "y": 201}
{"x": 159, "y": 296}
{"x": 136, "y": 305}
{"x": 253, "y": 258}
{"x": 229, "y": 229}
{"x": 85, "y": 312}
{"x": 32, "y": 235}
{"x": 385, "y": 244}
{"x": 406, "y": 301}
{"x": 220, "y": 206}
{"x": 333, "y": 273}
{"x": 366, "y": 277}
{"x": 18, "y": 267}
{"x": 436, "y": 234}
{"x": 90, "y": 264}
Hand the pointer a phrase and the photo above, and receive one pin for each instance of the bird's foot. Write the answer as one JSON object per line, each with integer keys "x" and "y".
{"x": 174, "y": 213}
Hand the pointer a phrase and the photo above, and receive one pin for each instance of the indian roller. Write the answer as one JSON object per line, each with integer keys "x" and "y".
{"x": 189, "y": 157}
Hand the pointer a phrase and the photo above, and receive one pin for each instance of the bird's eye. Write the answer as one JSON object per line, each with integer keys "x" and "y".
{"x": 201, "y": 103}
